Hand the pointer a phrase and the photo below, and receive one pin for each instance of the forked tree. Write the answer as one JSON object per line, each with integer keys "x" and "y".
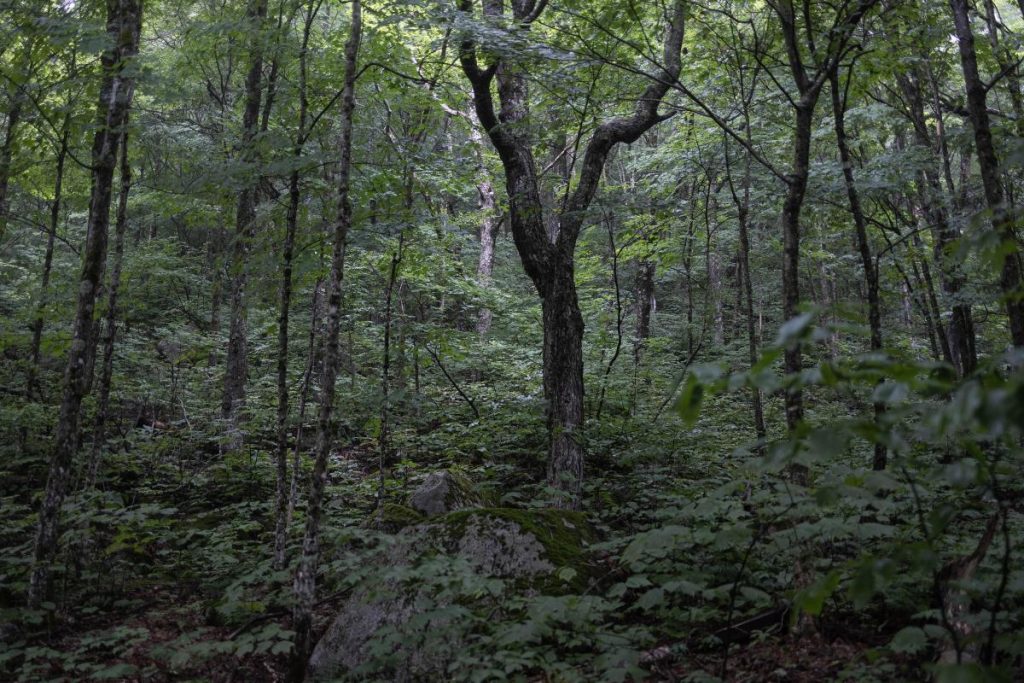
{"x": 549, "y": 257}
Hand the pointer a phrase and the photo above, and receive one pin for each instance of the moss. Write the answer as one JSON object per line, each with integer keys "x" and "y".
{"x": 395, "y": 517}
{"x": 563, "y": 534}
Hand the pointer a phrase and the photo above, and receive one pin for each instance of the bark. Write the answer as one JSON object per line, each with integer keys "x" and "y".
{"x": 305, "y": 575}
{"x": 287, "y": 251}
{"x": 488, "y": 230}
{"x": 988, "y": 163}
{"x": 959, "y": 334}
{"x": 839, "y": 102}
{"x": 746, "y": 284}
{"x": 790, "y": 221}
{"x": 17, "y": 104}
{"x": 124, "y": 19}
{"x": 237, "y": 367}
{"x": 550, "y": 264}
{"x": 808, "y": 85}
{"x": 110, "y": 333}
{"x": 644, "y": 303}
{"x": 307, "y": 377}
{"x": 31, "y": 387}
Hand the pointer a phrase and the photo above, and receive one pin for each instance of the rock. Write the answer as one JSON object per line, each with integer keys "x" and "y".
{"x": 398, "y": 624}
{"x": 394, "y": 517}
{"x": 442, "y": 492}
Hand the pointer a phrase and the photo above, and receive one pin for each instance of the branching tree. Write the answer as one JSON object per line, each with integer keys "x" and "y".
{"x": 549, "y": 260}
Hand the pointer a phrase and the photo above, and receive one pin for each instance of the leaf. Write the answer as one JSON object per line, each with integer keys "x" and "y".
{"x": 121, "y": 670}
{"x": 794, "y": 329}
{"x": 910, "y": 640}
{"x": 650, "y": 599}
{"x": 812, "y": 599}
{"x": 688, "y": 405}
{"x": 566, "y": 574}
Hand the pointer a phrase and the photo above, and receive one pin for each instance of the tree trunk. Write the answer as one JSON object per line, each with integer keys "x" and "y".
{"x": 110, "y": 334}
{"x": 563, "y": 383}
{"x": 17, "y": 103}
{"x": 644, "y": 302}
{"x": 988, "y": 163}
{"x": 790, "y": 222}
{"x": 746, "y": 282}
{"x": 291, "y": 227}
{"x": 959, "y": 334}
{"x": 44, "y": 287}
{"x": 237, "y": 368}
{"x": 124, "y": 20}
{"x": 305, "y": 575}
{"x": 839, "y": 103}
{"x": 488, "y": 236}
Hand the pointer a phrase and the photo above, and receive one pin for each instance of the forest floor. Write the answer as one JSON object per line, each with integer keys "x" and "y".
{"x": 166, "y": 572}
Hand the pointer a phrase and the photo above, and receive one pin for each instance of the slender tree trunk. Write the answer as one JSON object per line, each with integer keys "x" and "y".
{"x": 746, "y": 282}
{"x": 124, "y": 20}
{"x": 488, "y": 236}
{"x": 644, "y": 303}
{"x": 306, "y": 573}
{"x": 790, "y": 221}
{"x": 863, "y": 245}
{"x": 110, "y": 334}
{"x": 237, "y": 366}
{"x": 988, "y": 163}
{"x": 31, "y": 382}
{"x": 291, "y": 227}
{"x": 384, "y": 436}
{"x": 307, "y": 380}
{"x": 959, "y": 334}
{"x": 17, "y": 103}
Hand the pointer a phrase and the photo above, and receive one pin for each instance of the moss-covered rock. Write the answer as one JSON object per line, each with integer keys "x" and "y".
{"x": 399, "y": 617}
{"x": 442, "y": 492}
{"x": 394, "y": 517}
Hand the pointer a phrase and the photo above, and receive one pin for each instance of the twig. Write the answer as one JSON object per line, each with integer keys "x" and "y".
{"x": 465, "y": 397}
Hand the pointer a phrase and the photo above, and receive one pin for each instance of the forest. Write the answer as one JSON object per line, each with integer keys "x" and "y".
{"x": 511, "y": 340}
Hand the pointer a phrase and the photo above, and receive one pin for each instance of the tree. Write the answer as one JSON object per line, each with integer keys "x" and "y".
{"x": 988, "y": 162}
{"x": 549, "y": 261}
{"x": 236, "y": 366}
{"x": 305, "y": 573}
{"x": 124, "y": 24}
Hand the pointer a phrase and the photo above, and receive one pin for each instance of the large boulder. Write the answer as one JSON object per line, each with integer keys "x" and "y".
{"x": 398, "y": 624}
{"x": 442, "y": 492}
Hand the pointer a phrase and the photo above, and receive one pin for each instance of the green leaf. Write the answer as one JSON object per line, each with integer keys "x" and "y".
{"x": 910, "y": 640}
{"x": 812, "y": 599}
{"x": 688, "y": 405}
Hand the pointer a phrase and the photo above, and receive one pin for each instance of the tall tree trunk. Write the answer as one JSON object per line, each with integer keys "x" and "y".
{"x": 790, "y": 222}
{"x": 44, "y": 286}
{"x": 549, "y": 263}
{"x": 110, "y": 334}
{"x": 124, "y": 22}
{"x": 988, "y": 163}
{"x": 305, "y": 575}
{"x": 563, "y": 381}
{"x": 237, "y": 365}
{"x": 17, "y": 104}
{"x": 287, "y": 251}
{"x": 746, "y": 283}
{"x": 808, "y": 84}
{"x": 959, "y": 334}
{"x": 839, "y": 103}
{"x": 644, "y": 303}
{"x": 489, "y": 224}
